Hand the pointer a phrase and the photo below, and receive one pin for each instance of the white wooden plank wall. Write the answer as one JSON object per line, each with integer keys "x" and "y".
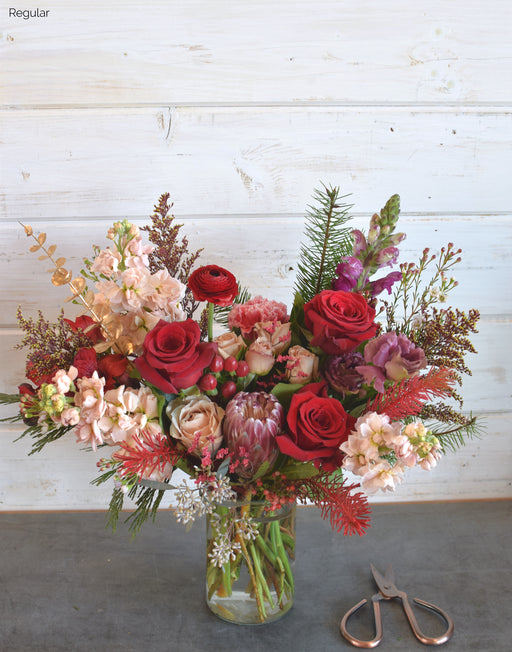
{"x": 240, "y": 110}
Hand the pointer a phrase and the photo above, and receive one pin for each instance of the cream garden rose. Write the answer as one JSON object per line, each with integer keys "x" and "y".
{"x": 301, "y": 366}
{"x": 196, "y": 421}
{"x": 229, "y": 344}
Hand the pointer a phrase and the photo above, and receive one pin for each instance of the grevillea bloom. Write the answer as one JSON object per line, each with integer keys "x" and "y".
{"x": 252, "y": 422}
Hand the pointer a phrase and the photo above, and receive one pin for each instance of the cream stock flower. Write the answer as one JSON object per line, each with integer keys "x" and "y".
{"x": 128, "y": 412}
{"x": 64, "y": 379}
{"x": 167, "y": 292}
{"x": 89, "y": 398}
{"x": 106, "y": 262}
{"x": 196, "y": 421}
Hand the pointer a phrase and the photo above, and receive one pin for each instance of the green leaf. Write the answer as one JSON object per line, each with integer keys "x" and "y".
{"x": 284, "y": 392}
{"x": 299, "y": 470}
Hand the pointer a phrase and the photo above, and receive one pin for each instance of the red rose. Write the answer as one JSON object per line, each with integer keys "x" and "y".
{"x": 317, "y": 425}
{"x": 173, "y": 356}
{"x": 213, "y": 284}
{"x": 339, "y": 321}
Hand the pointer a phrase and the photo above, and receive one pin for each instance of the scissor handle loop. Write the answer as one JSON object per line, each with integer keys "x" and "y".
{"x": 378, "y": 624}
{"x": 426, "y": 640}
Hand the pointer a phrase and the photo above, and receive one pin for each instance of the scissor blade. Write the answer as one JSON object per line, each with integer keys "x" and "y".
{"x": 386, "y": 582}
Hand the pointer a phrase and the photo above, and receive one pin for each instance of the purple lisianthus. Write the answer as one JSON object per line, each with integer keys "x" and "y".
{"x": 340, "y": 371}
{"x": 348, "y": 271}
{"x": 391, "y": 357}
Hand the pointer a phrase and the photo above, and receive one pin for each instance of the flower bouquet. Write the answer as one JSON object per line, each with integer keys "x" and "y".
{"x": 321, "y": 404}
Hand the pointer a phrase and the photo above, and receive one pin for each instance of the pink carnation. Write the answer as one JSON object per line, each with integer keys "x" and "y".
{"x": 245, "y": 316}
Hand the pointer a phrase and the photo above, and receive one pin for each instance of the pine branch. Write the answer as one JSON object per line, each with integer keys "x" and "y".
{"x": 408, "y": 397}
{"x": 327, "y": 241}
{"x": 221, "y": 312}
{"x": 148, "y": 501}
{"x": 42, "y": 436}
{"x": 456, "y": 437}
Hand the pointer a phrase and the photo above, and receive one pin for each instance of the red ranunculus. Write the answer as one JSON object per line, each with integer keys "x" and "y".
{"x": 86, "y": 324}
{"x": 317, "y": 425}
{"x": 214, "y": 284}
{"x": 173, "y": 356}
{"x": 339, "y": 321}
{"x": 113, "y": 368}
{"x": 86, "y": 362}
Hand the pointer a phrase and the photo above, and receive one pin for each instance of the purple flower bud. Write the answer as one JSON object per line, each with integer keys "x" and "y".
{"x": 387, "y": 256}
{"x": 359, "y": 242}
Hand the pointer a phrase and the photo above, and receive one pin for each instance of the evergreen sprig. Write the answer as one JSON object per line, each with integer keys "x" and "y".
{"x": 327, "y": 240}
{"x": 220, "y": 313}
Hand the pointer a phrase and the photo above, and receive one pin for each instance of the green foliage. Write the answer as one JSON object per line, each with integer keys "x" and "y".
{"x": 147, "y": 500}
{"x": 327, "y": 240}
{"x": 42, "y": 437}
{"x": 220, "y": 313}
{"x": 456, "y": 437}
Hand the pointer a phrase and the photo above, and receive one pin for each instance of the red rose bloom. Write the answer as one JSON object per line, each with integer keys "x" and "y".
{"x": 317, "y": 425}
{"x": 339, "y": 321}
{"x": 173, "y": 356}
{"x": 213, "y": 284}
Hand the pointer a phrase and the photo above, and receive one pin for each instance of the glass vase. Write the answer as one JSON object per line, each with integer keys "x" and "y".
{"x": 249, "y": 561}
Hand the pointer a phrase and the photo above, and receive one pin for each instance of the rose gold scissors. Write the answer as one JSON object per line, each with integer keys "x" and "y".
{"x": 388, "y": 591}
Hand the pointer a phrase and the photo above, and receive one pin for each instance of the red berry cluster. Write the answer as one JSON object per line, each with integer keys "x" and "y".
{"x": 222, "y": 376}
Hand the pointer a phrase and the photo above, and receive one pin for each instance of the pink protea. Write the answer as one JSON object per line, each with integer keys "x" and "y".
{"x": 251, "y": 423}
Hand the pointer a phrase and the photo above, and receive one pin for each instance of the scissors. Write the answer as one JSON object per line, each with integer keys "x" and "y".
{"x": 388, "y": 591}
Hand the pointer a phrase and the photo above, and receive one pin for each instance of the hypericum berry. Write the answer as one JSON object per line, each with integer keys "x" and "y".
{"x": 242, "y": 369}
{"x": 217, "y": 364}
{"x": 207, "y": 383}
{"x": 228, "y": 390}
{"x": 230, "y": 363}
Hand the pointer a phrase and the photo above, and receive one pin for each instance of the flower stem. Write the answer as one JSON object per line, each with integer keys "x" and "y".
{"x": 257, "y": 587}
{"x": 210, "y": 321}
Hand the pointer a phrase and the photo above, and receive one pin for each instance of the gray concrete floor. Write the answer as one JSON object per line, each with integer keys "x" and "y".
{"x": 68, "y": 584}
